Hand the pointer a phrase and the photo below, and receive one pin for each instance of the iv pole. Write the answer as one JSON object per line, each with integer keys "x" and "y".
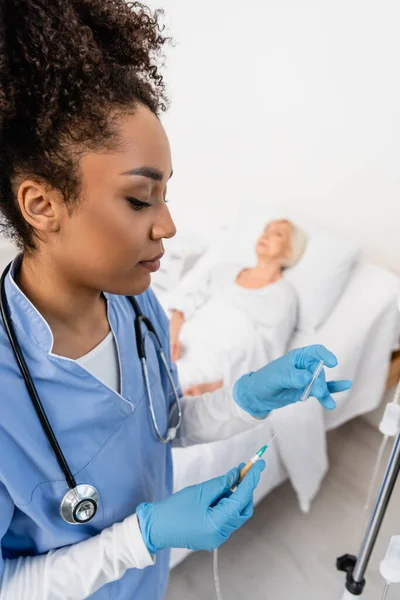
{"x": 356, "y": 567}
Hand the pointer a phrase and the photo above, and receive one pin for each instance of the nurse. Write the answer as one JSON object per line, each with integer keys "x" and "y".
{"x": 84, "y": 168}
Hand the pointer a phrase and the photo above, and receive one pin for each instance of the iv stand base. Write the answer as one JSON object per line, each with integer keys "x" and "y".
{"x": 347, "y": 563}
{"x": 356, "y": 567}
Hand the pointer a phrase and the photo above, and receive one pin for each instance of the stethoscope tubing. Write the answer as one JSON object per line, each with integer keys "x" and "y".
{"x": 140, "y": 341}
{"x": 5, "y": 313}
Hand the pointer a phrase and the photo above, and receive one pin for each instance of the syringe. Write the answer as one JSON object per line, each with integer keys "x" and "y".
{"x": 251, "y": 462}
{"x": 304, "y": 397}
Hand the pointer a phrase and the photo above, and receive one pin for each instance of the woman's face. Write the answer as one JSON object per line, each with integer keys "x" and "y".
{"x": 275, "y": 241}
{"x": 122, "y": 217}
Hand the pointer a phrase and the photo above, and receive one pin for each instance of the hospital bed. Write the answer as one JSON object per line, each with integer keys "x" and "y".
{"x": 362, "y": 329}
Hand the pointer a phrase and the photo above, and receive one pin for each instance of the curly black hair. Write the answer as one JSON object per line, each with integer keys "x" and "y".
{"x": 66, "y": 66}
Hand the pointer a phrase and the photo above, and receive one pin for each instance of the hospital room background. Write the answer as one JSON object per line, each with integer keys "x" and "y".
{"x": 289, "y": 109}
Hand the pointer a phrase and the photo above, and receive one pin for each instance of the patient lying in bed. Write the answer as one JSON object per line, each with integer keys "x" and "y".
{"x": 238, "y": 318}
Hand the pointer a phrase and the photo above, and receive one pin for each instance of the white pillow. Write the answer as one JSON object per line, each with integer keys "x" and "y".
{"x": 321, "y": 275}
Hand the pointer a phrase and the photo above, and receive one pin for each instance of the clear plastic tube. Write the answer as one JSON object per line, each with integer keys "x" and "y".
{"x": 305, "y": 395}
{"x": 378, "y": 463}
{"x": 396, "y": 398}
{"x": 385, "y": 591}
{"x": 216, "y": 574}
{"x": 375, "y": 473}
{"x": 307, "y": 391}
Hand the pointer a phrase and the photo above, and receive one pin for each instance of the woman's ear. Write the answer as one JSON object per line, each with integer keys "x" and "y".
{"x": 39, "y": 206}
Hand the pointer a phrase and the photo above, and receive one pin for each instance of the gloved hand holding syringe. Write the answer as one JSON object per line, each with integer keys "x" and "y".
{"x": 204, "y": 516}
{"x": 243, "y": 472}
{"x": 306, "y": 394}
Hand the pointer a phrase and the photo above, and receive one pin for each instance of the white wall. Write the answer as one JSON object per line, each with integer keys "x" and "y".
{"x": 296, "y": 101}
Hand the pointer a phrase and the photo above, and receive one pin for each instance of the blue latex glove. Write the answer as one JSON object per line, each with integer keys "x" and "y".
{"x": 283, "y": 381}
{"x": 200, "y": 517}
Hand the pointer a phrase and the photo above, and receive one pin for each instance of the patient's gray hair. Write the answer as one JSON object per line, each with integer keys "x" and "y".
{"x": 299, "y": 244}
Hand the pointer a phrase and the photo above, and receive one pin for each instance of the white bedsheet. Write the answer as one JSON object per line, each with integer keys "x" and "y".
{"x": 362, "y": 331}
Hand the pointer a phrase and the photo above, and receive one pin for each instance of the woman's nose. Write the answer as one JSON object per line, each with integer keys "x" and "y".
{"x": 164, "y": 227}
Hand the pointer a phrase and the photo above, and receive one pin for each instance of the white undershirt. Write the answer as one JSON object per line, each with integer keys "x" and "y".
{"x": 103, "y": 363}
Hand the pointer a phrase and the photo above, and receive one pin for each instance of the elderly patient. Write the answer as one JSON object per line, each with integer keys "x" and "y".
{"x": 238, "y": 317}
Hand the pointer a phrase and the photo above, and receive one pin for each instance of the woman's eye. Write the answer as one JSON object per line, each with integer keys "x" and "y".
{"x": 137, "y": 204}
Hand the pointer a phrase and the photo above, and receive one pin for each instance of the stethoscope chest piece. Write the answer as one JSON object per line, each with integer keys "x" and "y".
{"x": 79, "y": 505}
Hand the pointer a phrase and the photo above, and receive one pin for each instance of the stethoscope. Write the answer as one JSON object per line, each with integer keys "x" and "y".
{"x": 81, "y": 502}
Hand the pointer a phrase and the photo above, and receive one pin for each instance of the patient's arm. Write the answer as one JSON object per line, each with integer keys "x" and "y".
{"x": 193, "y": 291}
{"x": 175, "y": 326}
{"x": 202, "y": 388}
{"x": 211, "y": 417}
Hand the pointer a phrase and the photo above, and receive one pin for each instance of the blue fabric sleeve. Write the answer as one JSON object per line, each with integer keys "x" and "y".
{"x": 6, "y": 514}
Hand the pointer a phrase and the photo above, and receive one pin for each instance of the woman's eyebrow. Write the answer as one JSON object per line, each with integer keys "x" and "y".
{"x": 149, "y": 172}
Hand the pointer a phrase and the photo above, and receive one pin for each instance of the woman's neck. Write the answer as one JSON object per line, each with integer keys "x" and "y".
{"x": 262, "y": 275}
{"x": 269, "y": 270}
{"x": 76, "y": 315}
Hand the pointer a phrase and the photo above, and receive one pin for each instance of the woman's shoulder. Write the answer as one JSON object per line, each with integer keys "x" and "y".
{"x": 287, "y": 286}
{"x": 284, "y": 292}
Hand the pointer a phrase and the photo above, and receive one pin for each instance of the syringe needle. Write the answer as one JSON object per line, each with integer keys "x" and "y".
{"x": 276, "y": 434}
{"x": 303, "y": 398}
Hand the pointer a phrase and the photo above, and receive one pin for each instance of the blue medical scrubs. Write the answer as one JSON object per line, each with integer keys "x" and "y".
{"x": 107, "y": 438}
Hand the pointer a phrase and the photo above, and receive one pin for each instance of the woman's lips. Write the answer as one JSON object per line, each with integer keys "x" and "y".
{"x": 152, "y": 265}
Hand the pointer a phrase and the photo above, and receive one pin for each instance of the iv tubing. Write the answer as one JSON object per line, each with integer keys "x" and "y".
{"x": 377, "y": 466}
{"x": 251, "y": 462}
{"x": 396, "y": 398}
{"x": 385, "y": 592}
{"x": 216, "y": 574}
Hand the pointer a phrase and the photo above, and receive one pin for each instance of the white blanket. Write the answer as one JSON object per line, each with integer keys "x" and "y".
{"x": 301, "y": 445}
{"x": 219, "y": 342}
{"x": 362, "y": 333}
{"x": 231, "y": 331}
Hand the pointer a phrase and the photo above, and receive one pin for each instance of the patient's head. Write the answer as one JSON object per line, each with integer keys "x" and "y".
{"x": 281, "y": 240}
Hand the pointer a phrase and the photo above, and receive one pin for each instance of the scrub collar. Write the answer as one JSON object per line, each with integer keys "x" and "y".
{"x": 25, "y": 317}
